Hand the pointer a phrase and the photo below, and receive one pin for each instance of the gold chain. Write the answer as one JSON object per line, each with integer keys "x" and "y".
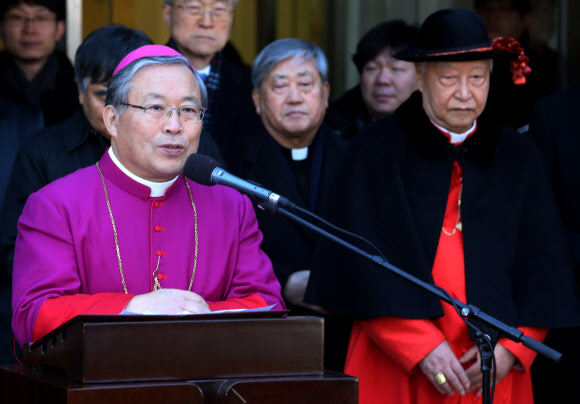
{"x": 195, "y": 235}
{"x": 458, "y": 224}
{"x": 157, "y": 284}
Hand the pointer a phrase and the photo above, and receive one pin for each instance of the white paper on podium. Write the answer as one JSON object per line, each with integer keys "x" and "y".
{"x": 186, "y": 313}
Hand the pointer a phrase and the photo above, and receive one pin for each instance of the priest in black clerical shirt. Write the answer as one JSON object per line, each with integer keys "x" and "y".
{"x": 292, "y": 153}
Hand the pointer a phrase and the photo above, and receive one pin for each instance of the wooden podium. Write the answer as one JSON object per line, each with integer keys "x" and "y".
{"x": 254, "y": 357}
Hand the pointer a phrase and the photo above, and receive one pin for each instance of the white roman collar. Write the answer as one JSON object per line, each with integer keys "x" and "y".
{"x": 456, "y": 138}
{"x": 299, "y": 154}
{"x": 205, "y": 71}
{"x": 157, "y": 188}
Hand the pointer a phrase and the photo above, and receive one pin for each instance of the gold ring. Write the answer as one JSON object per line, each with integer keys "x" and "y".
{"x": 440, "y": 378}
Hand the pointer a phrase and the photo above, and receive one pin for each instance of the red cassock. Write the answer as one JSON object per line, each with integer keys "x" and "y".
{"x": 384, "y": 352}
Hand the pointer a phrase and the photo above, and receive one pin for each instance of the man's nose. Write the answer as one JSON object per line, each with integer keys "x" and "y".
{"x": 206, "y": 19}
{"x": 463, "y": 90}
{"x": 172, "y": 123}
{"x": 385, "y": 76}
{"x": 294, "y": 94}
{"x": 30, "y": 24}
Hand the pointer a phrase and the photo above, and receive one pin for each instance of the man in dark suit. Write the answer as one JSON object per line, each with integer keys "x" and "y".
{"x": 200, "y": 31}
{"x": 32, "y": 70}
{"x": 385, "y": 82}
{"x": 554, "y": 128}
{"x": 292, "y": 152}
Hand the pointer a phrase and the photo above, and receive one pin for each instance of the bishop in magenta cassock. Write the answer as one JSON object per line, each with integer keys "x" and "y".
{"x": 131, "y": 232}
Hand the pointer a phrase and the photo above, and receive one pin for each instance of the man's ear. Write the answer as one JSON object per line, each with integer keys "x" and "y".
{"x": 81, "y": 95}
{"x": 60, "y": 28}
{"x": 419, "y": 74}
{"x": 111, "y": 120}
{"x": 167, "y": 14}
{"x": 326, "y": 93}
{"x": 256, "y": 99}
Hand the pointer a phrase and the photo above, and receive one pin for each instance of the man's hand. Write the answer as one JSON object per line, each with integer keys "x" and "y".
{"x": 168, "y": 301}
{"x": 296, "y": 288}
{"x": 504, "y": 361}
{"x": 443, "y": 360}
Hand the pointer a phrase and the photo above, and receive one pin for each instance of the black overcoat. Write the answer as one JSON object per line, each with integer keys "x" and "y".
{"x": 288, "y": 244}
{"x": 393, "y": 190}
{"x": 555, "y": 128}
{"x": 233, "y": 110}
{"x": 53, "y": 87}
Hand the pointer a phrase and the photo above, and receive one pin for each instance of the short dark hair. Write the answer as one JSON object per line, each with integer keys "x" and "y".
{"x": 56, "y": 6}
{"x": 102, "y": 50}
{"x": 523, "y": 7}
{"x": 396, "y": 35}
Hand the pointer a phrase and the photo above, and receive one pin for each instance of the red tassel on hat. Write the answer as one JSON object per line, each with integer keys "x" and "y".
{"x": 519, "y": 67}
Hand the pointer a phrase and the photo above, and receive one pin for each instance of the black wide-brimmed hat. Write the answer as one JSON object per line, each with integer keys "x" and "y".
{"x": 454, "y": 35}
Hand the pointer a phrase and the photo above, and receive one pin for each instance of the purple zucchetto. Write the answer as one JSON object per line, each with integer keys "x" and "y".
{"x": 145, "y": 51}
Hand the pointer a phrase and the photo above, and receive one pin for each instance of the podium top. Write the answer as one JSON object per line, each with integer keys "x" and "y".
{"x": 104, "y": 348}
{"x": 154, "y": 318}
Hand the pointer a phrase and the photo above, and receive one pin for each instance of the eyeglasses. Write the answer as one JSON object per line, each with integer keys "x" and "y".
{"x": 189, "y": 113}
{"x": 17, "y": 20}
{"x": 197, "y": 10}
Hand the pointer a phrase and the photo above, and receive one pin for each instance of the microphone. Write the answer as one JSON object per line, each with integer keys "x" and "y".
{"x": 206, "y": 171}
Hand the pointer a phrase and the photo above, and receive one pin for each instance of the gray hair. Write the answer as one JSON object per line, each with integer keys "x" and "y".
{"x": 170, "y": 2}
{"x": 122, "y": 82}
{"x": 283, "y": 49}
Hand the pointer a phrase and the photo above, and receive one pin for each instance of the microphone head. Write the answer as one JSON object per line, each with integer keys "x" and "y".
{"x": 199, "y": 168}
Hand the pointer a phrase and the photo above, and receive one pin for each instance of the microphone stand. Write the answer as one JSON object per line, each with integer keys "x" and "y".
{"x": 467, "y": 310}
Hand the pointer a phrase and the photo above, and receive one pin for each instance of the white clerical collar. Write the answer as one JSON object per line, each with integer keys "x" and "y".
{"x": 456, "y": 138}
{"x": 157, "y": 188}
{"x": 299, "y": 154}
{"x": 205, "y": 71}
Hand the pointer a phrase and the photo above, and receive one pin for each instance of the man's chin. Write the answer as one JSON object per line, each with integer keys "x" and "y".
{"x": 385, "y": 110}
{"x": 169, "y": 173}
{"x": 30, "y": 56}
{"x": 460, "y": 127}
{"x": 204, "y": 49}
